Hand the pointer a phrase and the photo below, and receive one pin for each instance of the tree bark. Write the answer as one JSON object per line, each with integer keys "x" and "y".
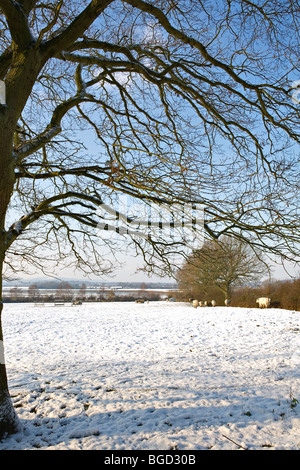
{"x": 9, "y": 421}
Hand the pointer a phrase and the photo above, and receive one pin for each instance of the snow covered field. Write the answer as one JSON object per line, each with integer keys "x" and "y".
{"x": 153, "y": 376}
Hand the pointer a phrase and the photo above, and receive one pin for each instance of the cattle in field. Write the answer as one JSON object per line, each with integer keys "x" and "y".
{"x": 195, "y": 303}
{"x": 227, "y": 302}
{"x": 213, "y": 303}
{"x": 263, "y": 302}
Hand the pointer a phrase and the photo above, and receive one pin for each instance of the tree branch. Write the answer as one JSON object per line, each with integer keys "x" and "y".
{"x": 77, "y": 27}
{"x": 17, "y": 22}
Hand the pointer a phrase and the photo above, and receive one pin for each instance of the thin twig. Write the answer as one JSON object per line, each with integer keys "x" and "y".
{"x": 239, "y": 445}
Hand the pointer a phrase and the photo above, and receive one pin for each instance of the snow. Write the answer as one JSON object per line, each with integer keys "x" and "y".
{"x": 152, "y": 376}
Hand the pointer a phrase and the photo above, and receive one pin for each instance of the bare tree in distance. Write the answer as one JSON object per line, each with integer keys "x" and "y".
{"x": 33, "y": 292}
{"x": 166, "y": 102}
{"x": 221, "y": 264}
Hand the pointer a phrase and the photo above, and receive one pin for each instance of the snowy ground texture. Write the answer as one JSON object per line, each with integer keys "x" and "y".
{"x": 153, "y": 376}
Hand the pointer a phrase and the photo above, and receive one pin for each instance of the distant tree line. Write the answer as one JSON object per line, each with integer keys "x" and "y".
{"x": 64, "y": 291}
{"x": 283, "y": 293}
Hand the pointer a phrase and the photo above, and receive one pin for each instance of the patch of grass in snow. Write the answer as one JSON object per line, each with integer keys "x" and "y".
{"x": 293, "y": 402}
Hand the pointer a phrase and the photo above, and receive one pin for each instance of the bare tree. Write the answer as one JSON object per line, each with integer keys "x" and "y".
{"x": 167, "y": 102}
{"x": 63, "y": 291}
{"x": 15, "y": 294}
{"x": 82, "y": 291}
{"x": 221, "y": 264}
{"x": 33, "y": 292}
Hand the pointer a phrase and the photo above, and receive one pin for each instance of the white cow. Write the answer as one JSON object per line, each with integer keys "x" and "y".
{"x": 195, "y": 303}
{"x": 263, "y": 302}
{"x": 213, "y": 303}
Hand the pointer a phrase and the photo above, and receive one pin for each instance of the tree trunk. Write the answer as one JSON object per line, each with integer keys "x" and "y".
{"x": 8, "y": 418}
{"x": 26, "y": 64}
{"x": 228, "y": 291}
{"x": 9, "y": 422}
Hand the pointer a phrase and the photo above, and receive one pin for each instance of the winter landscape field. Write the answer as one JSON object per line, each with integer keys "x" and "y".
{"x": 153, "y": 376}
